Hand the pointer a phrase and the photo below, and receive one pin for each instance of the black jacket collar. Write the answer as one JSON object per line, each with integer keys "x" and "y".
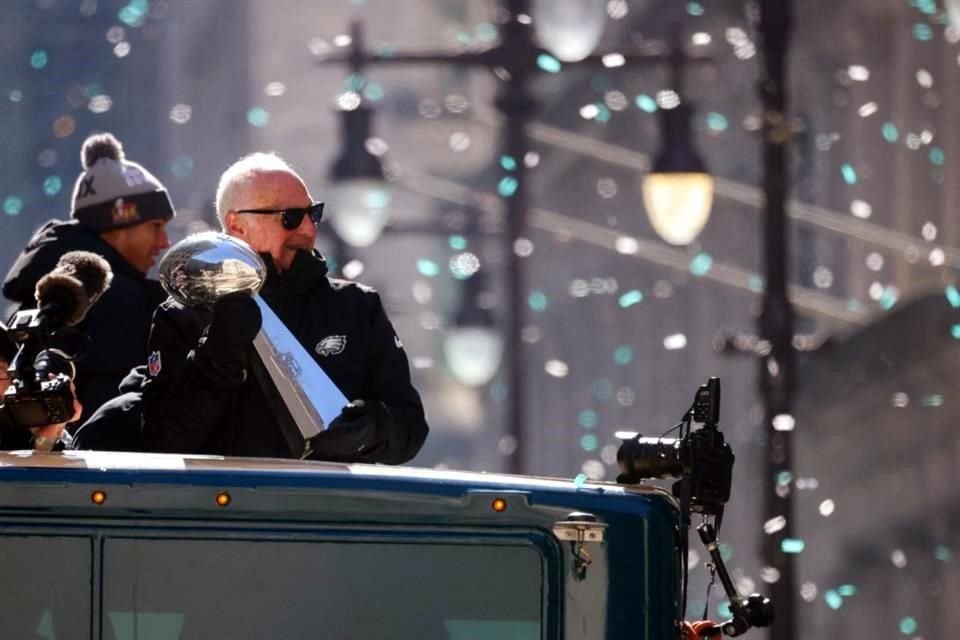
{"x": 307, "y": 271}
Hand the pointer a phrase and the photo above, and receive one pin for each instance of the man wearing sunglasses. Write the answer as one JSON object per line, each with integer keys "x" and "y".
{"x": 206, "y": 391}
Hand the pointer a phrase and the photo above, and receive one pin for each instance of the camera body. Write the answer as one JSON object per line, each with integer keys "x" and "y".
{"x": 702, "y": 456}
{"x": 40, "y": 391}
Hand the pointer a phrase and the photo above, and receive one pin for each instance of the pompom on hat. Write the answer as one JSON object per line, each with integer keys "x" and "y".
{"x": 113, "y": 192}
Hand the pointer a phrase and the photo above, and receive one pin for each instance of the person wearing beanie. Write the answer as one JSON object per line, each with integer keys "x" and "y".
{"x": 119, "y": 211}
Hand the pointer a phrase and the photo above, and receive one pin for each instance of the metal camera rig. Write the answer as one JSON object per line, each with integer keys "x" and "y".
{"x": 702, "y": 462}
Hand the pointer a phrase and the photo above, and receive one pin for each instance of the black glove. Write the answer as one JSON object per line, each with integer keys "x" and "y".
{"x": 358, "y": 434}
{"x": 236, "y": 322}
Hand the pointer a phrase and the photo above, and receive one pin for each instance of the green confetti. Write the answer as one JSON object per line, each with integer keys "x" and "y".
{"x": 373, "y": 92}
{"x": 717, "y": 121}
{"x": 623, "y": 355}
{"x": 258, "y": 116}
{"x": 39, "y": 59}
{"x": 890, "y": 132}
{"x": 508, "y": 186}
{"x": 537, "y": 301}
{"x": 428, "y": 268}
{"x": 922, "y": 32}
{"x": 908, "y": 626}
{"x": 932, "y": 400}
{"x": 588, "y": 419}
{"x": 12, "y": 205}
{"x": 646, "y": 103}
{"x": 589, "y": 442}
{"x": 849, "y": 173}
{"x": 548, "y": 63}
{"x": 953, "y": 296}
{"x": 791, "y": 545}
{"x": 701, "y": 264}
{"x": 889, "y": 298}
{"x": 52, "y": 185}
{"x": 630, "y": 298}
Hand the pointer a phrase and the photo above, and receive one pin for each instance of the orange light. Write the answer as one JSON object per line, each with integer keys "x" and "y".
{"x": 98, "y": 497}
{"x": 223, "y": 499}
{"x": 499, "y": 505}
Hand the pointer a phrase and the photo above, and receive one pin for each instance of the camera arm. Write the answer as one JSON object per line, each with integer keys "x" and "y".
{"x": 753, "y": 611}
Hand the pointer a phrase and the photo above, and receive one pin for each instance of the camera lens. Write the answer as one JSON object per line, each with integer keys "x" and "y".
{"x": 650, "y": 458}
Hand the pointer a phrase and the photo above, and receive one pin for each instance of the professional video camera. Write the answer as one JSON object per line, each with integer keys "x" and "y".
{"x": 40, "y": 391}
{"x": 703, "y": 464}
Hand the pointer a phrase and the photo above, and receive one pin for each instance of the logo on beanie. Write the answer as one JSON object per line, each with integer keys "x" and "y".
{"x": 331, "y": 345}
{"x": 124, "y": 212}
{"x": 86, "y": 187}
{"x": 133, "y": 176}
{"x": 153, "y": 364}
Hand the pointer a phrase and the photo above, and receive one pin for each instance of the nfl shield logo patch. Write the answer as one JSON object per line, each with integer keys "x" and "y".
{"x": 153, "y": 364}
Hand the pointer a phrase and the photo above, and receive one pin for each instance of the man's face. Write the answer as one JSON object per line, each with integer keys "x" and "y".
{"x": 264, "y": 232}
{"x": 141, "y": 244}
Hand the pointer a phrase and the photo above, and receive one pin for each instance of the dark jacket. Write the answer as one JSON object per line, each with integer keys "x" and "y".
{"x": 116, "y": 425}
{"x": 190, "y": 406}
{"x": 117, "y": 324}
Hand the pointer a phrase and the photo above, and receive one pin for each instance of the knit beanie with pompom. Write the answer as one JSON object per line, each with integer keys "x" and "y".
{"x": 113, "y": 192}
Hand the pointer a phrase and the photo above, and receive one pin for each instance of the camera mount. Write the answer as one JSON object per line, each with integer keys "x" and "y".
{"x": 703, "y": 464}
{"x": 753, "y": 611}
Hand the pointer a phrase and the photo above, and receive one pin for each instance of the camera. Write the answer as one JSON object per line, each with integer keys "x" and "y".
{"x": 40, "y": 392}
{"x": 40, "y": 388}
{"x": 701, "y": 456}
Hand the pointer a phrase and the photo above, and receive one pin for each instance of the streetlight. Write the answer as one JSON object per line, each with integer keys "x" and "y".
{"x": 359, "y": 195}
{"x": 569, "y": 29}
{"x": 774, "y": 344}
{"x": 472, "y": 345}
{"x": 515, "y": 60}
{"x": 678, "y": 191}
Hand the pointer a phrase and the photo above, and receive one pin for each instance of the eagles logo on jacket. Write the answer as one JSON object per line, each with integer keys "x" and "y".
{"x": 190, "y": 408}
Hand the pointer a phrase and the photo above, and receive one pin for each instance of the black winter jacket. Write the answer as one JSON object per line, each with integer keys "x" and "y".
{"x": 118, "y": 323}
{"x": 190, "y": 406}
{"x": 117, "y": 424}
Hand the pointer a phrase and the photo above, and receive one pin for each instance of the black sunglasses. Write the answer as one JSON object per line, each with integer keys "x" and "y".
{"x": 293, "y": 217}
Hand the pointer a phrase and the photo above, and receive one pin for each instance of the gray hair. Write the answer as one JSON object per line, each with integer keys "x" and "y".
{"x": 239, "y": 172}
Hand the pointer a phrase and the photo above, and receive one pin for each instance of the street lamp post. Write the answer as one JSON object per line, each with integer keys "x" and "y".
{"x": 775, "y": 322}
{"x": 773, "y": 346}
{"x": 515, "y": 59}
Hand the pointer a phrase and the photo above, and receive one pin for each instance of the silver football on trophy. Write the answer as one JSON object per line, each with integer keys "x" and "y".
{"x": 204, "y": 267}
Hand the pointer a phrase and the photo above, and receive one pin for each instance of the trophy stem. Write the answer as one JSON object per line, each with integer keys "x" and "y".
{"x": 307, "y": 391}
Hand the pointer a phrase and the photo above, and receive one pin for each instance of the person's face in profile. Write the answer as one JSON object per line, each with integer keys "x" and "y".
{"x": 141, "y": 244}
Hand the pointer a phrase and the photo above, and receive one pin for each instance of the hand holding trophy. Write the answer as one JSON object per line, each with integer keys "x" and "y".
{"x": 205, "y": 267}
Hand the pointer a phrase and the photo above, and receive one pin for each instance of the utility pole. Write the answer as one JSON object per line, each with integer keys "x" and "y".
{"x": 775, "y": 324}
